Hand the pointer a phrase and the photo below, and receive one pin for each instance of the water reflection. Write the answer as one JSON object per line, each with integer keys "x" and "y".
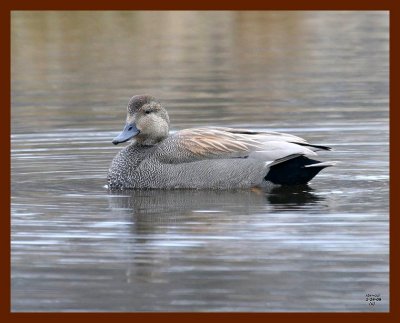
{"x": 168, "y": 204}
{"x": 291, "y": 197}
{"x": 164, "y": 203}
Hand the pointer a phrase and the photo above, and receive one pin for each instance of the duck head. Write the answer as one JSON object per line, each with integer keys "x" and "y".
{"x": 147, "y": 121}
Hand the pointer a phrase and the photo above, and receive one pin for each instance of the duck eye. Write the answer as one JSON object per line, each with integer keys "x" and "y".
{"x": 147, "y": 112}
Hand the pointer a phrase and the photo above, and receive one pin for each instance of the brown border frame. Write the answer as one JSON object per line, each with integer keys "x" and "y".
{"x": 7, "y": 6}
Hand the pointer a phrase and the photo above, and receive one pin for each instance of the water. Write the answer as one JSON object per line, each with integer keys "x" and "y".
{"x": 77, "y": 247}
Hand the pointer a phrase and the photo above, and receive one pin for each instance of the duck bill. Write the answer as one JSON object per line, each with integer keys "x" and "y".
{"x": 127, "y": 133}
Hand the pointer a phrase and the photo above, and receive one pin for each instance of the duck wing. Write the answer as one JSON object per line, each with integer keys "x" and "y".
{"x": 196, "y": 144}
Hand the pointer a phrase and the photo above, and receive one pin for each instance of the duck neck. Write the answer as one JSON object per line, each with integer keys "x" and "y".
{"x": 149, "y": 141}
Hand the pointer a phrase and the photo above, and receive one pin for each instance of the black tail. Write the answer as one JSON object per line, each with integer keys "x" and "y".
{"x": 293, "y": 171}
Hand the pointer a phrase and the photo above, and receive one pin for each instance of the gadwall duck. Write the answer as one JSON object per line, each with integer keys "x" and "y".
{"x": 205, "y": 158}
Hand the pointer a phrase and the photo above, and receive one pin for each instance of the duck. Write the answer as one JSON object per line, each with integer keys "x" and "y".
{"x": 205, "y": 157}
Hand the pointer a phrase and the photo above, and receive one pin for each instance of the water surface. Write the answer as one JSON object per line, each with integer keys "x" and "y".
{"x": 77, "y": 247}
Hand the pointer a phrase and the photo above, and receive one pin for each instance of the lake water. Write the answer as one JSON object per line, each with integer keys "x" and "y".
{"x": 77, "y": 247}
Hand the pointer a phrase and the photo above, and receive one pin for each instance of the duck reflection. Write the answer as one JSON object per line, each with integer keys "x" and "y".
{"x": 161, "y": 203}
{"x": 156, "y": 205}
{"x": 292, "y": 196}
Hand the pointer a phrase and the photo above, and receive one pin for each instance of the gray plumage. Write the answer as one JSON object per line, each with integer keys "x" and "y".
{"x": 200, "y": 158}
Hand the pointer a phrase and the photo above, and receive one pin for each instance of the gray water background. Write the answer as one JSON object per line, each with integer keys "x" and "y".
{"x": 77, "y": 247}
